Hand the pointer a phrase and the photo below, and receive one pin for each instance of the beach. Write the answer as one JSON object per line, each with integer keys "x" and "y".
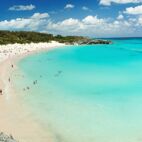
{"x": 76, "y": 93}
{"x": 71, "y": 71}
{"x": 15, "y": 118}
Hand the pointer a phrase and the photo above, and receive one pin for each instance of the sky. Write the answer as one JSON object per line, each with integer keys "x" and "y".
{"x": 94, "y": 18}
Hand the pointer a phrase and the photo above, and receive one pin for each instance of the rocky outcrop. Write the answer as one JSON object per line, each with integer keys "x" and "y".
{"x": 92, "y": 41}
{"x": 6, "y": 138}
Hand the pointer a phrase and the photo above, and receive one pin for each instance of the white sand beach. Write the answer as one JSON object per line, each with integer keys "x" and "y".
{"x": 15, "y": 119}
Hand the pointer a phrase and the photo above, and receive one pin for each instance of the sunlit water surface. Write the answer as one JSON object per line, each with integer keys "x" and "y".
{"x": 86, "y": 93}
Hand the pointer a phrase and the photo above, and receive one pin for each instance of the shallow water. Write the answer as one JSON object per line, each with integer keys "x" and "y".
{"x": 86, "y": 93}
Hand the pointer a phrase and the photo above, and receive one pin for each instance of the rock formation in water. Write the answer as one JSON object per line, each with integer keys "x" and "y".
{"x": 94, "y": 41}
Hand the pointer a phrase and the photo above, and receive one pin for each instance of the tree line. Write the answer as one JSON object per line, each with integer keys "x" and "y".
{"x": 11, "y": 37}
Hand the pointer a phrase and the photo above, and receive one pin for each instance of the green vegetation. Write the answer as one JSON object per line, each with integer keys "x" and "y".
{"x": 10, "y": 37}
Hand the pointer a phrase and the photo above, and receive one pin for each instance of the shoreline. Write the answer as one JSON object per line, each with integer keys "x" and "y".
{"x": 15, "y": 118}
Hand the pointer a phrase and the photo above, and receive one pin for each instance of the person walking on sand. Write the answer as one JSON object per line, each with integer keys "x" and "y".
{"x": 0, "y": 91}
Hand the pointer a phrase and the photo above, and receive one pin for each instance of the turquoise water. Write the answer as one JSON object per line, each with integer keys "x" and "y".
{"x": 86, "y": 93}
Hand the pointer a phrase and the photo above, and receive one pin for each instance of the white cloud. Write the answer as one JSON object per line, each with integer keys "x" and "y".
{"x": 70, "y": 22}
{"x": 32, "y": 23}
{"x": 134, "y": 10}
{"x": 109, "y": 2}
{"x": 69, "y": 6}
{"x": 85, "y": 8}
{"x": 140, "y": 21}
{"x": 63, "y": 27}
{"x": 22, "y": 7}
{"x": 94, "y": 20}
{"x": 120, "y": 17}
{"x": 40, "y": 15}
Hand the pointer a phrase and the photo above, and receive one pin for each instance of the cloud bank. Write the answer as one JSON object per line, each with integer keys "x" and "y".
{"x": 134, "y": 10}
{"x": 69, "y": 6}
{"x": 22, "y": 7}
{"x": 109, "y": 2}
{"x": 88, "y": 26}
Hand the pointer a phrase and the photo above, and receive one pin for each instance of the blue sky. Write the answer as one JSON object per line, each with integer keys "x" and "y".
{"x": 95, "y": 18}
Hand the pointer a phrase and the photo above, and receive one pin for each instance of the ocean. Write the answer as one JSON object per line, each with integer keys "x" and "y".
{"x": 88, "y": 93}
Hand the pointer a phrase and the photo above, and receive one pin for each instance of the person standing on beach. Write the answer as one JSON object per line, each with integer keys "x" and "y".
{"x": 0, "y": 91}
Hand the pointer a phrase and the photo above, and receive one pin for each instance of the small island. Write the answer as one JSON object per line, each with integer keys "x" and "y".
{"x": 22, "y": 37}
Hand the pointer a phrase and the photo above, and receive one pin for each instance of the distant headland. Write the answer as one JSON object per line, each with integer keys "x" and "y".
{"x": 22, "y": 37}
